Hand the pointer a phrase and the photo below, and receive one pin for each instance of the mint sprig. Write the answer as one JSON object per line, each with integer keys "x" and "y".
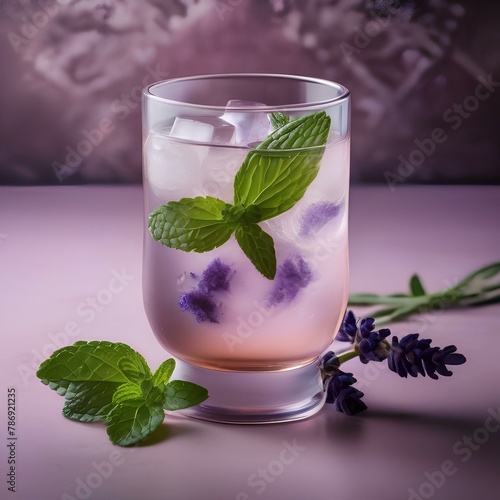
{"x": 272, "y": 179}
{"x": 110, "y": 381}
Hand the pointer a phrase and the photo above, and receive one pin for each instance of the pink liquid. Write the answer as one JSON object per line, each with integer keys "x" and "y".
{"x": 253, "y": 327}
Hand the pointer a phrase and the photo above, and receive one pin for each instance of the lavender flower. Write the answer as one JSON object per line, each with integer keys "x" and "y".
{"x": 215, "y": 277}
{"x": 349, "y": 401}
{"x": 369, "y": 343}
{"x": 291, "y": 276}
{"x": 410, "y": 356}
{"x": 200, "y": 301}
{"x": 338, "y": 384}
{"x": 340, "y": 392}
{"x": 348, "y": 328}
{"x": 200, "y": 305}
{"x": 316, "y": 216}
{"x": 329, "y": 365}
{"x": 413, "y": 356}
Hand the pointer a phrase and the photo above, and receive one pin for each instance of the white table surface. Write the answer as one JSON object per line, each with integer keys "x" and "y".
{"x": 61, "y": 245}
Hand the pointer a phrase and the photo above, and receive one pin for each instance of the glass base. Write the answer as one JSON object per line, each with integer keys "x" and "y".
{"x": 255, "y": 397}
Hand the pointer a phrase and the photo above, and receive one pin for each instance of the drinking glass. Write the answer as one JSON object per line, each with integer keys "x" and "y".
{"x": 245, "y": 267}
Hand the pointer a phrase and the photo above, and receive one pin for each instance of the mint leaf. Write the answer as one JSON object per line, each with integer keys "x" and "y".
{"x": 258, "y": 246}
{"x": 191, "y": 224}
{"x": 134, "y": 370}
{"x": 152, "y": 394}
{"x": 238, "y": 215}
{"x": 164, "y": 372}
{"x": 275, "y": 180}
{"x": 132, "y": 420}
{"x": 304, "y": 132}
{"x": 278, "y": 120}
{"x": 92, "y": 401}
{"x": 86, "y": 361}
{"x": 106, "y": 380}
{"x": 126, "y": 392}
{"x": 87, "y": 374}
{"x": 180, "y": 395}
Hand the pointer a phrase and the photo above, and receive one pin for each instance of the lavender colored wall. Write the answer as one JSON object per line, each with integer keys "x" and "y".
{"x": 423, "y": 75}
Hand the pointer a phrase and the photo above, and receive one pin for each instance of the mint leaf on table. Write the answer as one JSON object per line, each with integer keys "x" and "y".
{"x": 87, "y": 375}
{"x": 133, "y": 420}
{"x": 110, "y": 381}
{"x": 180, "y": 394}
{"x": 91, "y": 401}
{"x": 272, "y": 179}
{"x": 134, "y": 372}
{"x": 164, "y": 372}
{"x": 88, "y": 361}
{"x": 125, "y": 392}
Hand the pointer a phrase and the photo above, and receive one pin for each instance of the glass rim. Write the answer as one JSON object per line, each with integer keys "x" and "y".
{"x": 343, "y": 96}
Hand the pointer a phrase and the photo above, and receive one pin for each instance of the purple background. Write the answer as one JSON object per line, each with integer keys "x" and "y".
{"x": 72, "y": 71}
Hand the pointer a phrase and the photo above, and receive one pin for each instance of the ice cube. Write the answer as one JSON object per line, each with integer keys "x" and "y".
{"x": 219, "y": 169}
{"x": 250, "y": 126}
{"x": 171, "y": 165}
{"x": 287, "y": 226}
{"x": 304, "y": 222}
{"x": 317, "y": 215}
{"x": 203, "y": 129}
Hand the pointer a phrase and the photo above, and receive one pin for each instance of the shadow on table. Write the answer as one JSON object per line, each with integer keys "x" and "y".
{"x": 171, "y": 428}
{"x": 340, "y": 427}
{"x": 435, "y": 420}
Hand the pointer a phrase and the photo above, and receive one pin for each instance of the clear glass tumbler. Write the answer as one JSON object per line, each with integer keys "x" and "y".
{"x": 245, "y": 272}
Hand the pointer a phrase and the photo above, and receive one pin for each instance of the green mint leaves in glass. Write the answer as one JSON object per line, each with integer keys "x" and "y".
{"x": 272, "y": 179}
